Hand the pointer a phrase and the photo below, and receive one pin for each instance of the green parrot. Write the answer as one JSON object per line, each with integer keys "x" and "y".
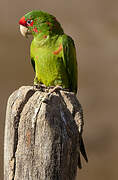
{"x": 53, "y": 54}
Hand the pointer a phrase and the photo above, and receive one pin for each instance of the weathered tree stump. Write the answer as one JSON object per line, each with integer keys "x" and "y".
{"x": 42, "y": 135}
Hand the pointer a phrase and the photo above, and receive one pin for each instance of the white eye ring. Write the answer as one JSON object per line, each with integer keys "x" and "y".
{"x": 29, "y": 21}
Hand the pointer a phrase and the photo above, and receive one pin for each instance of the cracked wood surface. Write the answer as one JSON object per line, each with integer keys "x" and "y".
{"x": 41, "y": 135}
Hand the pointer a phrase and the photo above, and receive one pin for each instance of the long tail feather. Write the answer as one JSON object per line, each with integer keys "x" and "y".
{"x": 79, "y": 162}
{"x": 82, "y": 150}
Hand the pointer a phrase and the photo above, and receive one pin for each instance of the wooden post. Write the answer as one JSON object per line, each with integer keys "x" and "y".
{"x": 41, "y": 135}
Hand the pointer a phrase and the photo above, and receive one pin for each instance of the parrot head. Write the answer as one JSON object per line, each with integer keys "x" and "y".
{"x": 39, "y": 22}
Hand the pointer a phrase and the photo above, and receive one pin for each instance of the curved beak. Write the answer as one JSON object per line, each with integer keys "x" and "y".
{"x": 23, "y": 30}
{"x": 23, "y": 27}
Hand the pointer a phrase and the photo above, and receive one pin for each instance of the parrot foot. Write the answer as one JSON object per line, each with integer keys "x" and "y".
{"x": 41, "y": 87}
{"x": 56, "y": 89}
{"x": 50, "y": 89}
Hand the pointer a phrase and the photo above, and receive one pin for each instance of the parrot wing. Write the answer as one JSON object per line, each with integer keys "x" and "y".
{"x": 70, "y": 62}
{"x": 33, "y": 64}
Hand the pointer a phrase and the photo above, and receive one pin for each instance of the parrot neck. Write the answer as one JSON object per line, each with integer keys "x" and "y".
{"x": 45, "y": 39}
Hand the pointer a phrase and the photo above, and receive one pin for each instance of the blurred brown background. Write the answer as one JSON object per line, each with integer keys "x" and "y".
{"x": 93, "y": 25}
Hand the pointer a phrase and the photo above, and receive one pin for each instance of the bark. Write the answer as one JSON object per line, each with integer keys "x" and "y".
{"x": 41, "y": 135}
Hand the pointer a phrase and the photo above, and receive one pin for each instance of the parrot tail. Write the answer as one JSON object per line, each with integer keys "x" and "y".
{"x": 79, "y": 162}
{"x": 83, "y": 152}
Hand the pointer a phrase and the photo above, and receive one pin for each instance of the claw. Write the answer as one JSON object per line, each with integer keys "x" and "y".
{"x": 41, "y": 87}
{"x": 50, "y": 89}
{"x": 56, "y": 89}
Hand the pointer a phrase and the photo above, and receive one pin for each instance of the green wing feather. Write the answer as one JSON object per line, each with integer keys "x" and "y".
{"x": 70, "y": 61}
{"x": 33, "y": 64}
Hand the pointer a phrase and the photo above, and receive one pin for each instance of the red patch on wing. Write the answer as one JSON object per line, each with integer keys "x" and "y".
{"x": 58, "y": 50}
{"x": 48, "y": 23}
{"x": 35, "y": 30}
{"x": 23, "y": 21}
{"x": 37, "y": 57}
{"x": 44, "y": 36}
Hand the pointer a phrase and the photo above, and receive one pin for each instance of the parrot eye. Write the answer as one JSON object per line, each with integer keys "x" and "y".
{"x": 29, "y": 21}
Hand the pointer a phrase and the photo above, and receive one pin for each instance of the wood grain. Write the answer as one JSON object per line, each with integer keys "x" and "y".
{"x": 41, "y": 135}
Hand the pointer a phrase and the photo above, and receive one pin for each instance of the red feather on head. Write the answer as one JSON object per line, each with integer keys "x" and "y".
{"x": 23, "y": 21}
